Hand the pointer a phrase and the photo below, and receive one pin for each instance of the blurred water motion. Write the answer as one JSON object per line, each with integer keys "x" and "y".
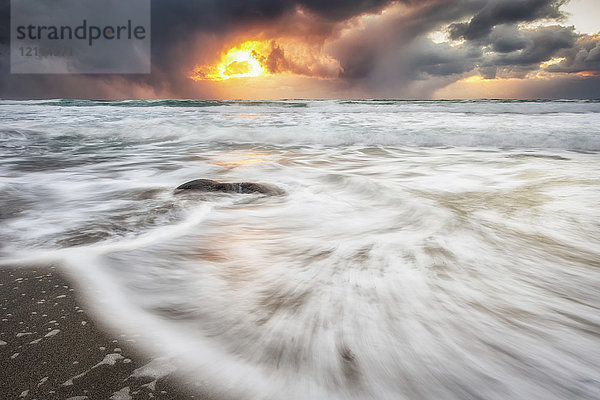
{"x": 445, "y": 258}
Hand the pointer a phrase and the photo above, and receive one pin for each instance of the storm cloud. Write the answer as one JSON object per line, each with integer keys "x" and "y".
{"x": 498, "y": 12}
{"x": 582, "y": 57}
{"x": 370, "y": 48}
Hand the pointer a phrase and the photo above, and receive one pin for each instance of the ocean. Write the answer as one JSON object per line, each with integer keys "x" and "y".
{"x": 419, "y": 249}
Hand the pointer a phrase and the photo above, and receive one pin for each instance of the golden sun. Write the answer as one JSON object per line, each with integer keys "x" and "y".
{"x": 241, "y": 61}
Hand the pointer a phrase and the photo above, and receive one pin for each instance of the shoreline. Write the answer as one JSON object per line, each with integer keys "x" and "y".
{"x": 50, "y": 348}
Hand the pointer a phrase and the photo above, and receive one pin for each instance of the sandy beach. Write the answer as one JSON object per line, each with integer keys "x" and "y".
{"x": 50, "y": 348}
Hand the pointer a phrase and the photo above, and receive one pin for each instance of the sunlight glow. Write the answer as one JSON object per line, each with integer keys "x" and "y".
{"x": 554, "y": 61}
{"x": 473, "y": 79}
{"x": 236, "y": 160}
{"x": 241, "y": 61}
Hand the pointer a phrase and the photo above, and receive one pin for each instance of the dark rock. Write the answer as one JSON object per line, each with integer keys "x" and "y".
{"x": 209, "y": 185}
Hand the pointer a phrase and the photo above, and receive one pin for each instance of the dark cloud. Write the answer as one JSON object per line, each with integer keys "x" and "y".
{"x": 276, "y": 61}
{"x": 387, "y": 54}
{"x": 541, "y": 45}
{"x": 498, "y": 12}
{"x": 494, "y": 45}
{"x": 431, "y": 59}
{"x": 177, "y": 19}
{"x": 514, "y": 53}
{"x": 342, "y": 9}
{"x": 584, "y": 56}
{"x": 364, "y": 50}
{"x": 185, "y": 32}
{"x": 507, "y": 38}
{"x": 181, "y": 22}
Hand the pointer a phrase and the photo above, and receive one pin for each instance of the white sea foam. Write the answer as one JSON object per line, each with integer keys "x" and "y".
{"x": 421, "y": 250}
{"x": 52, "y": 333}
{"x": 155, "y": 369}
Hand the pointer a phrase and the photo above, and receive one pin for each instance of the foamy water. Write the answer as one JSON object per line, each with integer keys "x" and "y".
{"x": 422, "y": 250}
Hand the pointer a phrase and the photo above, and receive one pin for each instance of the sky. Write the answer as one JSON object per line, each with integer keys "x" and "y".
{"x": 336, "y": 49}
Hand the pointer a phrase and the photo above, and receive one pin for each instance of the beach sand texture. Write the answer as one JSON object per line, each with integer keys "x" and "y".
{"x": 50, "y": 348}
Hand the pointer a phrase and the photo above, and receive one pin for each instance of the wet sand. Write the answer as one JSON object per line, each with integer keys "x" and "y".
{"x": 50, "y": 348}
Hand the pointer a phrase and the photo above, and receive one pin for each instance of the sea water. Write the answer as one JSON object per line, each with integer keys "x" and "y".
{"x": 421, "y": 250}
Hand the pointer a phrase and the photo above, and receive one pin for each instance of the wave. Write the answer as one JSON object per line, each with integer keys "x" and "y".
{"x": 152, "y": 103}
{"x": 469, "y": 270}
{"x": 510, "y": 105}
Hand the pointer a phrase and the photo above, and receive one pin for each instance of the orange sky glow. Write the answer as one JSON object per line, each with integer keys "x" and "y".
{"x": 296, "y": 60}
